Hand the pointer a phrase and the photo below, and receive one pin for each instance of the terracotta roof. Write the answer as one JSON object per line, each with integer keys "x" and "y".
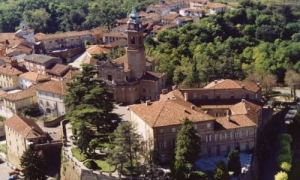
{"x": 169, "y": 112}
{"x": 12, "y": 70}
{"x": 116, "y": 43}
{"x": 152, "y": 76}
{"x": 231, "y": 84}
{"x": 98, "y": 31}
{"x": 55, "y": 87}
{"x": 246, "y": 107}
{"x": 171, "y": 25}
{"x": 41, "y": 36}
{"x": 58, "y": 69}
{"x": 215, "y": 5}
{"x": 96, "y": 49}
{"x": 235, "y": 121}
{"x": 71, "y": 72}
{"x": 25, "y": 127}
{"x": 2, "y": 93}
{"x": 219, "y": 106}
{"x": 33, "y": 76}
{"x": 175, "y": 94}
{"x": 170, "y": 16}
{"x": 24, "y": 94}
{"x": 114, "y": 34}
{"x": 121, "y": 60}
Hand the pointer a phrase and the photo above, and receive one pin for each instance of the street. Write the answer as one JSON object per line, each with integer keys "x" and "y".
{"x": 4, "y": 170}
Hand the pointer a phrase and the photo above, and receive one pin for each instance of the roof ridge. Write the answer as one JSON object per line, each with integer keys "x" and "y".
{"x": 156, "y": 119}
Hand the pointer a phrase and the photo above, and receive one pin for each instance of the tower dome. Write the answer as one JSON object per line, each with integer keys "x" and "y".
{"x": 134, "y": 17}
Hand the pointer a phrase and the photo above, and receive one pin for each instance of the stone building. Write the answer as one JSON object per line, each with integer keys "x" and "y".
{"x": 222, "y": 123}
{"x": 131, "y": 77}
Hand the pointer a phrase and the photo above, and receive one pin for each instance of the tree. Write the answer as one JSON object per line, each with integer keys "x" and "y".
{"x": 234, "y": 163}
{"x": 292, "y": 79}
{"x": 221, "y": 171}
{"x": 187, "y": 150}
{"x": 83, "y": 138}
{"x": 281, "y": 176}
{"x": 33, "y": 165}
{"x": 125, "y": 147}
{"x": 89, "y": 101}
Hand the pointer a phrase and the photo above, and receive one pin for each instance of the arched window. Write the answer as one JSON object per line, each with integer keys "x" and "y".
{"x": 132, "y": 40}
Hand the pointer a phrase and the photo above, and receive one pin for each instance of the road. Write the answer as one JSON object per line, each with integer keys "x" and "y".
{"x": 4, "y": 170}
{"x": 286, "y": 90}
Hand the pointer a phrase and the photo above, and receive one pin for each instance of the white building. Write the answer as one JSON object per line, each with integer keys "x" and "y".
{"x": 192, "y": 12}
{"x": 50, "y": 98}
{"x": 29, "y": 78}
{"x": 215, "y": 8}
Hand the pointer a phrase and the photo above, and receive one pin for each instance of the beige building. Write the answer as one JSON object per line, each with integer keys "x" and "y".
{"x": 50, "y": 97}
{"x": 14, "y": 102}
{"x": 39, "y": 63}
{"x": 9, "y": 74}
{"x": 131, "y": 77}
{"x": 20, "y": 133}
{"x": 222, "y": 124}
{"x": 30, "y": 78}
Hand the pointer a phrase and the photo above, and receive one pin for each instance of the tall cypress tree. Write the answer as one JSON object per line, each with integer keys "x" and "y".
{"x": 221, "y": 171}
{"x": 187, "y": 150}
{"x": 88, "y": 100}
{"x": 234, "y": 163}
{"x": 33, "y": 165}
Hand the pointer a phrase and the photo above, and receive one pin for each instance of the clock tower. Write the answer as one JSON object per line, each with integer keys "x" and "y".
{"x": 136, "y": 57}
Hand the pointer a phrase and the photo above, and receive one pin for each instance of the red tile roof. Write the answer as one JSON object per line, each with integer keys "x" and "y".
{"x": 169, "y": 112}
{"x": 24, "y": 94}
{"x": 34, "y": 77}
{"x": 55, "y": 87}
{"x": 235, "y": 121}
{"x": 25, "y": 127}
{"x": 231, "y": 84}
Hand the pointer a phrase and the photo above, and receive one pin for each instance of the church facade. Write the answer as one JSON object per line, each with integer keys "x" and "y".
{"x": 131, "y": 77}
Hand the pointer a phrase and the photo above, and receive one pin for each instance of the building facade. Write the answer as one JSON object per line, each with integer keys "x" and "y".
{"x": 50, "y": 97}
{"x": 20, "y": 133}
{"x": 222, "y": 125}
{"x": 39, "y": 63}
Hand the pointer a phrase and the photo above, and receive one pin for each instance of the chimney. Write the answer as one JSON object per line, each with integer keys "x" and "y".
{"x": 193, "y": 107}
{"x": 186, "y": 96}
{"x": 258, "y": 84}
{"x": 216, "y": 81}
{"x": 148, "y": 103}
{"x": 243, "y": 86}
{"x": 14, "y": 63}
{"x": 243, "y": 100}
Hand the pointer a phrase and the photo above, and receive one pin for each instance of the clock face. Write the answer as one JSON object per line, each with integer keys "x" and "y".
{"x": 131, "y": 26}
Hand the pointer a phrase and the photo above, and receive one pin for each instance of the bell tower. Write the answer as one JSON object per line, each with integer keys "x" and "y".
{"x": 136, "y": 57}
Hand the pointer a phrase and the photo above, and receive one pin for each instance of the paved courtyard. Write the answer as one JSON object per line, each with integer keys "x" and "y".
{"x": 4, "y": 170}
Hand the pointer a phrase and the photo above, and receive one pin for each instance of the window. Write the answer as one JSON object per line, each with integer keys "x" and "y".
{"x": 237, "y": 134}
{"x": 195, "y": 126}
{"x": 227, "y": 135}
{"x": 216, "y": 137}
{"x": 109, "y": 77}
{"x": 173, "y": 130}
{"x": 221, "y": 137}
{"x": 162, "y": 144}
{"x": 161, "y": 131}
{"x": 208, "y": 125}
{"x": 247, "y": 133}
{"x": 216, "y": 114}
{"x": 208, "y": 138}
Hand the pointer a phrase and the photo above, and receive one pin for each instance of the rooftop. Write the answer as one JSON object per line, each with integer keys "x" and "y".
{"x": 232, "y": 84}
{"x": 39, "y": 58}
{"x": 26, "y": 93}
{"x": 55, "y": 87}
{"x": 34, "y": 77}
{"x": 25, "y": 127}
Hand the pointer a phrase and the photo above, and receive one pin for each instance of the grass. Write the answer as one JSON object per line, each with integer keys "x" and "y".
{"x": 79, "y": 156}
{"x": 3, "y": 148}
{"x": 103, "y": 145}
{"x": 294, "y": 174}
{"x": 105, "y": 167}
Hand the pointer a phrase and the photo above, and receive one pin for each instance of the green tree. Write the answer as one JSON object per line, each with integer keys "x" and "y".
{"x": 84, "y": 136}
{"x": 234, "y": 163}
{"x": 281, "y": 176}
{"x": 37, "y": 19}
{"x": 89, "y": 101}
{"x": 125, "y": 147}
{"x": 33, "y": 165}
{"x": 187, "y": 150}
{"x": 221, "y": 172}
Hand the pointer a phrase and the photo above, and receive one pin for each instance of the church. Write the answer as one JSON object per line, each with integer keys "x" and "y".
{"x": 131, "y": 78}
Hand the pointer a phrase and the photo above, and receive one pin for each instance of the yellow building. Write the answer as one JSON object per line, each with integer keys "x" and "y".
{"x": 20, "y": 133}
{"x": 15, "y": 102}
{"x": 9, "y": 74}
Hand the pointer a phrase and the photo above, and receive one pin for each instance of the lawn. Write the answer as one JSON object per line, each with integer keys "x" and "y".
{"x": 105, "y": 167}
{"x": 79, "y": 156}
{"x": 294, "y": 174}
{"x": 103, "y": 145}
{"x": 3, "y": 148}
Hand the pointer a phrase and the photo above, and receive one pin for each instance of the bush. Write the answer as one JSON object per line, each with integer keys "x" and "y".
{"x": 285, "y": 150}
{"x": 284, "y": 158}
{"x": 285, "y": 166}
{"x": 281, "y": 176}
{"x": 91, "y": 164}
{"x": 198, "y": 175}
{"x": 285, "y": 137}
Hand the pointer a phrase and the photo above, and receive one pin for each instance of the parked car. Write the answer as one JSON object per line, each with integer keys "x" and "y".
{"x": 13, "y": 177}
